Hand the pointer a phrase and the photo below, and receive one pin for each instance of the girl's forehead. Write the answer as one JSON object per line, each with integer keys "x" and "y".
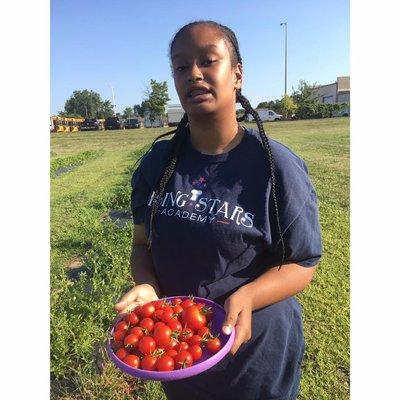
{"x": 200, "y": 37}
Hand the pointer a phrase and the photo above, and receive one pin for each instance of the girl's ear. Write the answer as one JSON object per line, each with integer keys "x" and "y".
{"x": 238, "y": 74}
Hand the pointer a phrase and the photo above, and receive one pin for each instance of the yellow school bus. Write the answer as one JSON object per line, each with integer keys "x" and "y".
{"x": 65, "y": 124}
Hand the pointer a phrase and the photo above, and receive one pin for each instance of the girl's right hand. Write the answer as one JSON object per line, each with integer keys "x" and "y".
{"x": 138, "y": 295}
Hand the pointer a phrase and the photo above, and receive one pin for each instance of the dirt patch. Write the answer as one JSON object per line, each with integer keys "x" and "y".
{"x": 64, "y": 170}
{"x": 76, "y": 266}
{"x": 120, "y": 217}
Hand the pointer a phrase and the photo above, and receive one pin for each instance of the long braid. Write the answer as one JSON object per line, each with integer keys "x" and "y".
{"x": 265, "y": 142}
{"x": 176, "y": 143}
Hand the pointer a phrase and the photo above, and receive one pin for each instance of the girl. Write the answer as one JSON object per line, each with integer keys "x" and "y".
{"x": 223, "y": 212}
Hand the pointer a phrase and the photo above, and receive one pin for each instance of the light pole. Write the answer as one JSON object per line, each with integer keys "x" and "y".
{"x": 112, "y": 92}
{"x": 285, "y": 23}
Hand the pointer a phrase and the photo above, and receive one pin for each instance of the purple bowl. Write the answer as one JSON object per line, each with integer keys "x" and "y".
{"x": 206, "y": 361}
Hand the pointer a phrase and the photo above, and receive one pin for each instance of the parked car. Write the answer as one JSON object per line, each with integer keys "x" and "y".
{"x": 131, "y": 123}
{"x": 175, "y": 113}
{"x": 266, "y": 115}
{"x": 91, "y": 124}
{"x": 114, "y": 123}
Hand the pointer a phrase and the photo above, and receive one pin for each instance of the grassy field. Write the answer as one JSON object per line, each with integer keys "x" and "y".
{"x": 90, "y": 267}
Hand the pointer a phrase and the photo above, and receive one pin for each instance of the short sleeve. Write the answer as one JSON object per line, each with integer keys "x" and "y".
{"x": 302, "y": 237}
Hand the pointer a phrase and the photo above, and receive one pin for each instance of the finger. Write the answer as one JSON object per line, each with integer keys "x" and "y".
{"x": 232, "y": 313}
{"x": 126, "y": 299}
{"x": 242, "y": 331}
{"x": 129, "y": 307}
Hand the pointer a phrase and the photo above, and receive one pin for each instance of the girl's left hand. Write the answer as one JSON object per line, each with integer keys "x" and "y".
{"x": 238, "y": 309}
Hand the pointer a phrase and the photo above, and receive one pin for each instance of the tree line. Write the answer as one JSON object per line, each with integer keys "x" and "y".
{"x": 89, "y": 104}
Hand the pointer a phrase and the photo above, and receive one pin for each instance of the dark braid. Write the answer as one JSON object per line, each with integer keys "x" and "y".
{"x": 176, "y": 143}
{"x": 267, "y": 147}
{"x": 229, "y": 36}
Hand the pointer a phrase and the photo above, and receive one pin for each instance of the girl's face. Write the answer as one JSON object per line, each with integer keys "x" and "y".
{"x": 205, "y": 80}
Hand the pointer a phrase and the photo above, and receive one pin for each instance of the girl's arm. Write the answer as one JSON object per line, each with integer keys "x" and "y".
{"x": 270, "y": 287}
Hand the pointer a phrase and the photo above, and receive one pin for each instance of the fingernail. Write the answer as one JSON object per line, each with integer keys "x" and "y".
{"x": 227, "y": 329}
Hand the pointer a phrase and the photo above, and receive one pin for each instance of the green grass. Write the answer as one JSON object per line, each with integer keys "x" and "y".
{"x": 81, "y": 311}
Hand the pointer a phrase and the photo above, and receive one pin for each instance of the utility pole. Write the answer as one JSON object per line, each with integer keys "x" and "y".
{"x": 112, "y": 92}
{"x": 285, "y": 23}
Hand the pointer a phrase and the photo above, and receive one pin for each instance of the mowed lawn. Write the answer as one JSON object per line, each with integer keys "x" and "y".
{"x": 84, "y": 239}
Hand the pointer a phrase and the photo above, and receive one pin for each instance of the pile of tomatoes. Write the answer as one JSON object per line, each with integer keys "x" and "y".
{"x": 165, "y": 335}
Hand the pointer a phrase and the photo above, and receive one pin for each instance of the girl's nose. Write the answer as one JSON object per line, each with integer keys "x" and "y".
{"x": 195, "y": 74}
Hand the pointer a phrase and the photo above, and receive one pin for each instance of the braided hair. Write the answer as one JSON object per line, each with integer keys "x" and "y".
{"x": 182, "y": 130}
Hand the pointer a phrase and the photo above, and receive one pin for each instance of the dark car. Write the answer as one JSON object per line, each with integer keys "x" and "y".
{"x": 131, "y": 123}
{"x": 91, "y": 124}
{"x": 114, "y": 123}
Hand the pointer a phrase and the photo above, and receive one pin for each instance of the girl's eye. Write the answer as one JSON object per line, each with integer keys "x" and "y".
{"x": 209, "y": 62}
{"x": 180, "y": 68}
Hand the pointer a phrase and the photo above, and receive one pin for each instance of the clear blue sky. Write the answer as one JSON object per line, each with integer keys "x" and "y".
{"x": 95, "y": 43}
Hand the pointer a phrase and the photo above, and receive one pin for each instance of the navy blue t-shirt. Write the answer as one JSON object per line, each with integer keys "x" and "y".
{"x": 216, "y": 231}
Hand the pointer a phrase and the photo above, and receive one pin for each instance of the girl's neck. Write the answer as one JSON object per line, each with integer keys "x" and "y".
{"x": 215, "y": 134}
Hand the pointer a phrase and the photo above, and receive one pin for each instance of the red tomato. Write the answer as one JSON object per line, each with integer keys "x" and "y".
{"x": 181, "y": 346}
{"x": 214, "y": 345}
{"x": 147, "y": 323}
{"x": 172, "y": 344}
{"x": 159, "y": 304}
{"x": 185, "y": 334}
{"x": 132, "y": 360}
{"x": 199, "y": 305}
{"x": 147, "y": 345}
{"x": 171, "y": 352}
{"x": 175, "y": 325}
{"x": 193, "y": 318}
{"x": 176, "y": 301}
{"x": 132, "y": 319}
{"x": 158, "y": 314}
{"x": 204, "y": 331}
{"x": 177, "y": 310}
{"x": 122, "y": 353}
{"x": 136, "y": 330}
{"x": 194, "y": 340}
{"x": 119, "y": 336}
{"x": 186, "y": 303}
{"x": 168, "y": 314}
{"x": 157, "y": 324}
{"x": 195, "y": 351}
{"x": 149, "y": 363}
{"x": 183, "y": 360}
{"x": 131, "y": 341}
{"x": 147, "y": 310}
{"x": 162, "y": 335}
{"x": 121, "y": 326}
{"x": 165, "y": 363}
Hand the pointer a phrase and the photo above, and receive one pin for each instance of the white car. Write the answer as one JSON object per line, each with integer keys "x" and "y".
{"x": 266, "y": 115}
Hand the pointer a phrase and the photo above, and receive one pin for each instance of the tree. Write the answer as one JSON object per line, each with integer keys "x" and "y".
{"x": 106, "y": 110}
{"x": 304, "y": 93}
{"x": 138, "y": 110}
{"x": 287, "y": 106}
{"x": 157, "y": 98}
{"x": 270, "y": 105}
{"x": 128, "y": 112}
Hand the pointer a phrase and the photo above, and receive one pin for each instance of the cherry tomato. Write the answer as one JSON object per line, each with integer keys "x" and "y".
{"x": 183, "y": 360}
{"x": 194, "y": 340}
{"x": 193, "y": 317}
{"x": 122, "y": 353}
{"x": 136, "y": 330}
{"x": 147, "y": 345}
{"x": 199, "y": 305}
{"x": 165, "y": 363}
{"x": 159, "y": 304}
{"x": 181, "y": 346}
{"x": 131, "y": 341}
{"x": 186, "y": 303}
{"x": 185, "y": 334}
{"x": 175, "y": 325}
{"x": 147, "y": 310}
{"x": 168, "y": 314}
{"x": 157, "y": 324}
{"x": 132, "y": 360}
{"x": 214, "y": 345}
{"x": 132, "y": 319}
{"x": 172, "y": 344}
{"x": 121, "y": 326}
{"x": 176, "y": 301}
{"x": 147, "y": 323}
{"x": 195, "y": 351}
{"x": 149, "y": 363}
{"x": 157, "y": 315}
{"x": 162, "y": 335}
{"x": 171, "y": 352}
{"x": 177, "y": 310}
{"x": 119, "y": 336}
{"x": 204, "y": 331}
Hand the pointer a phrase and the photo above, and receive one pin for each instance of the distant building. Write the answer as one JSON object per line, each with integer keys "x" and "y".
{"x": 337, "y": 92}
